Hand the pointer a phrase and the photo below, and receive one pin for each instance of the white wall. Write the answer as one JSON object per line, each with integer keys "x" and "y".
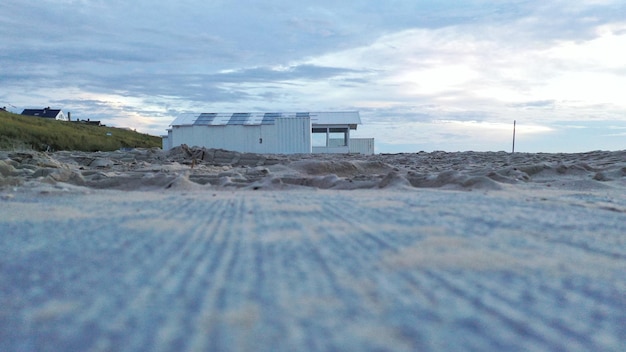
{"x": 362, "y": 146}
{"x": 61, "y": 116}
{"x": 166, "y": 141}
{"x": 285, "y": 136}
{"x": 356, "y": 146}
{"x": 293, "y": 135}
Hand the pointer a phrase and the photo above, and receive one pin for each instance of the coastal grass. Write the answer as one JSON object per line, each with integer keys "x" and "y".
{"x": 35, "y": 133}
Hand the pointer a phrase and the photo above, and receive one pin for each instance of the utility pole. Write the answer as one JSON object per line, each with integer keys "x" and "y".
{"x": 513, "y": 137}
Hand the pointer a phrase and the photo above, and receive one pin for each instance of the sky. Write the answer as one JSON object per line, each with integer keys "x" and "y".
{"x": 424, "y": 75}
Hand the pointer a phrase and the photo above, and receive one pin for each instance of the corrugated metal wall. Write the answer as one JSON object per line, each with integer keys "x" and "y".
{"x": 362, "y": 145}
{"x": 294, "y": 135}
{"x": 286, "y": 136}
{"x": 357, "y": 145}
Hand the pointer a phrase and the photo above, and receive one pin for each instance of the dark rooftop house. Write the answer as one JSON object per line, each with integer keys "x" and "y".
{"x": 48, "y": 113}
{"x": 90, "y": 122}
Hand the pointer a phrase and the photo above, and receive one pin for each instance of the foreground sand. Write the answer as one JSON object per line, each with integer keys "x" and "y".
{"x": 147, "y": 250}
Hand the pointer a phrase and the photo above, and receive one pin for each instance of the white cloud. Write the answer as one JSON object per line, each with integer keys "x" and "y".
{"x": 607, "y": 51}
{"x": 463, "y": 64}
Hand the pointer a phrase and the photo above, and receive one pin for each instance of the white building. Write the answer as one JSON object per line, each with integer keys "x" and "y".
{"x": 47, "y": 113}
{"x": 270, "y": 133}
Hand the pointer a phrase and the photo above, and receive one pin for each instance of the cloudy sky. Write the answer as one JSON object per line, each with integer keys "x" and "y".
{"x": 424, "y": 74}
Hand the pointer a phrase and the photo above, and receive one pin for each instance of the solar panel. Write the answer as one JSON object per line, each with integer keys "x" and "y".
{"x": 270, "y": 117}
{"x": 350, "y": 118}
{"x": 205, "y": 119}
{"x": 238, "y": 118}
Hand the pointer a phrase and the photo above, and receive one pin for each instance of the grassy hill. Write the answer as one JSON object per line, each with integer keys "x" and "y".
{"x": 28, "y": 132}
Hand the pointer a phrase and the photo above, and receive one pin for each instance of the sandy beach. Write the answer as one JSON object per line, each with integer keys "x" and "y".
{"x": 210, "y": 250}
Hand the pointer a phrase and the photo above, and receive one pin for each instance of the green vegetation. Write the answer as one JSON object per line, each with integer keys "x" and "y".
{"x": 28, "y": 132}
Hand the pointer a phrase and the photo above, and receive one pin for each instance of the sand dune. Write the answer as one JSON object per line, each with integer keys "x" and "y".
{"x": 209, "y": 250}
{"x": 155, "y": 169}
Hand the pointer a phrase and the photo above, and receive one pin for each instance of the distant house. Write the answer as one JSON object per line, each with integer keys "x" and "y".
{"x": 46, "y": 113}
{"x": 89, "y": 122}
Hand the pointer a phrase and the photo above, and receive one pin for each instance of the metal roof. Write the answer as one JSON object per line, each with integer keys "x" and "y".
{"x": 50, "y": 113}
{"x": 350, "y": 118}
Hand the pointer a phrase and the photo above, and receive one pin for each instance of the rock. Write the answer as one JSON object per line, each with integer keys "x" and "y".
{"x": 42, "y": 172}
{"x": 6, "y": 169}
{"x": 601, "y": 176}
{"x": 83, "y": 160}
{"x": 101, "y": 163}
{"x": 67, "y": 176}
{"x": 32, "y": 168}
{"x": 21, "y": 157}
{"x": 48, "y": 163}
